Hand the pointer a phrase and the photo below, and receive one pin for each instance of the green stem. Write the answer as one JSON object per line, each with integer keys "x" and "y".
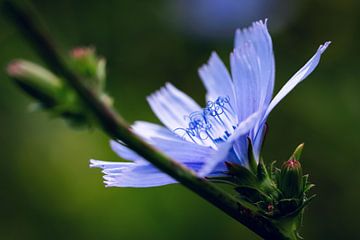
{"x": 115, "y": 126}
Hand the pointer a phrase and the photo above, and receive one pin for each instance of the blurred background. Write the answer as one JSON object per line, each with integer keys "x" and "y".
{"x": 49, "y": 192}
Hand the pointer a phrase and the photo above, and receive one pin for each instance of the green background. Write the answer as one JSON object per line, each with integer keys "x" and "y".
{"x": 47, "y": 190}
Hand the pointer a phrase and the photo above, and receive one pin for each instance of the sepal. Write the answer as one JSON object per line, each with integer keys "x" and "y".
{"x": 262, "y": 173}
{"x": 251, "y": 157}
{"x": 252, "y": 194}
{"x": 241, "y": 175}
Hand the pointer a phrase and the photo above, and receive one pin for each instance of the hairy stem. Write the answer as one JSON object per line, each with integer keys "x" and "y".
{"x": 115, "y": 126}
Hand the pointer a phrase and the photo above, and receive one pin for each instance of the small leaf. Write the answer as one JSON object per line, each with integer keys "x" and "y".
{"x": 275, "y": 173}
{"x": 297, "y": 153}
{"x": 305, "y": 179}
{"x": 252, "y": 161}
{"x": 287, "y": 206}
{"x": 252, "y": 194}
{"x": 225, "y": 180}
{"x": 262, "y": 172}
{"x": 243, "y": 175}
{"x": 308, "y": 187}
{"x": 300, "y": 208}
{"x": 308, "y": 200}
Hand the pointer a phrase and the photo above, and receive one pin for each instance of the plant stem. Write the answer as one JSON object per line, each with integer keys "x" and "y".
{"x": 115, "y": 126}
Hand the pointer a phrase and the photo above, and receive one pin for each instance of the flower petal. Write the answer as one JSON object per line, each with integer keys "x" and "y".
{"x": 135, "y": 174}
{"x": 131, "y": 174}
{"x": 108, "y": 165}
{"x": 252, "y": 68}
{"x": 257, "y": 137}
{"x": 217, "y": 80}
{"x": 178, "y": 149}
{"x": 240, "y": 147}
{"x": 172, "y": 106}
{"x": 124, "y": 152}
{"x": 183, "y": 151}
{"x": 297, "y": 78}
{"x": 149, "y": 130}
{"x": 141, "y": 173}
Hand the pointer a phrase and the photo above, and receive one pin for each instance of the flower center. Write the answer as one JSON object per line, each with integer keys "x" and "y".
{"x": 212, "y": 125}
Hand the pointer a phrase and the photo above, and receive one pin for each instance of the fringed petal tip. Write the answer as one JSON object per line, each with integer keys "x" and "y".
{"x": 110, "y": 184}
{"x": 108, "y": 181}
{"x": 97, "y": 163}
{"x": 323, "y": 47}
{"x": 130, "y": 174}
{"x": 260, "y": 24}
{"x": 107, "y": 165}
{"x": 257, "y": 23}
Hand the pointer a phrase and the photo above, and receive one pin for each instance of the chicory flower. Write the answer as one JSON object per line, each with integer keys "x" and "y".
{"x": 204, "y": 139}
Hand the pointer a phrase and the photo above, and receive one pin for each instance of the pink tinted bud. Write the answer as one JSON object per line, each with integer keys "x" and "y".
{"x": 14, "y": 68}
{"x": 291, "y": 164}
{"x": 291, "y": 183}
{"x": 81, "y": 52}
{"x": 33, "y": 74}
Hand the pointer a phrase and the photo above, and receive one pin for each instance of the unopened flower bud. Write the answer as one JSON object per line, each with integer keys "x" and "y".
{"x": 37, "y": 81}
{"x": 89, "y": 66}
{"x": 81, "y": 52}
{"x": 291, "y": 182}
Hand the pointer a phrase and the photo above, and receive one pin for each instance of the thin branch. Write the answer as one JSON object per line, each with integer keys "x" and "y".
{"x": 116, "y": 127}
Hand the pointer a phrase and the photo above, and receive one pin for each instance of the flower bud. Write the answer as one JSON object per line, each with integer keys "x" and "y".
{"x": 89, "y": 66}
{"x": 291, "y": 176}
{"x": 37, "y": 81}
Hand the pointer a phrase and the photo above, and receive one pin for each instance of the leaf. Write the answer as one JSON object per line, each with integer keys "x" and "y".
{"x": 252, "y": 161}
{"x": 262, "y": 172}
{"x": 308, "y": 187}
{"x": 275, "y": 172}
{"x": 297, "y": 153}
{"x": 252, "y": 194}
{"x": 224, "y": 180}
{"x": 243, "y": 175}
{"x": 287, "y": 206}
{"x": 305, "y": 179}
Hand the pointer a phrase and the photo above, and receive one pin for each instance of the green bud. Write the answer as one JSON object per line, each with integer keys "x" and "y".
{"x": 50, "y": 92}
{"x": 37, "y": 81}
{"x": 291, "y": 176}
{"x": 89, "y": 66}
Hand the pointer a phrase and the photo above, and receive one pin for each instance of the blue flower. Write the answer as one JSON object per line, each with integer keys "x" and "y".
{"x": 202, "y": 139}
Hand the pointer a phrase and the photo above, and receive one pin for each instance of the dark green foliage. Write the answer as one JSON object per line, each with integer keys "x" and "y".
{"x": 279, "y": 194}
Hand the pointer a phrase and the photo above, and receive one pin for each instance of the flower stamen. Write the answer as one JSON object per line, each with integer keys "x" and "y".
{"x": 211, "y": 126}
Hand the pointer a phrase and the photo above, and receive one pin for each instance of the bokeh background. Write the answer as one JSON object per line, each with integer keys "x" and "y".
{"x": 47, "y": 190}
